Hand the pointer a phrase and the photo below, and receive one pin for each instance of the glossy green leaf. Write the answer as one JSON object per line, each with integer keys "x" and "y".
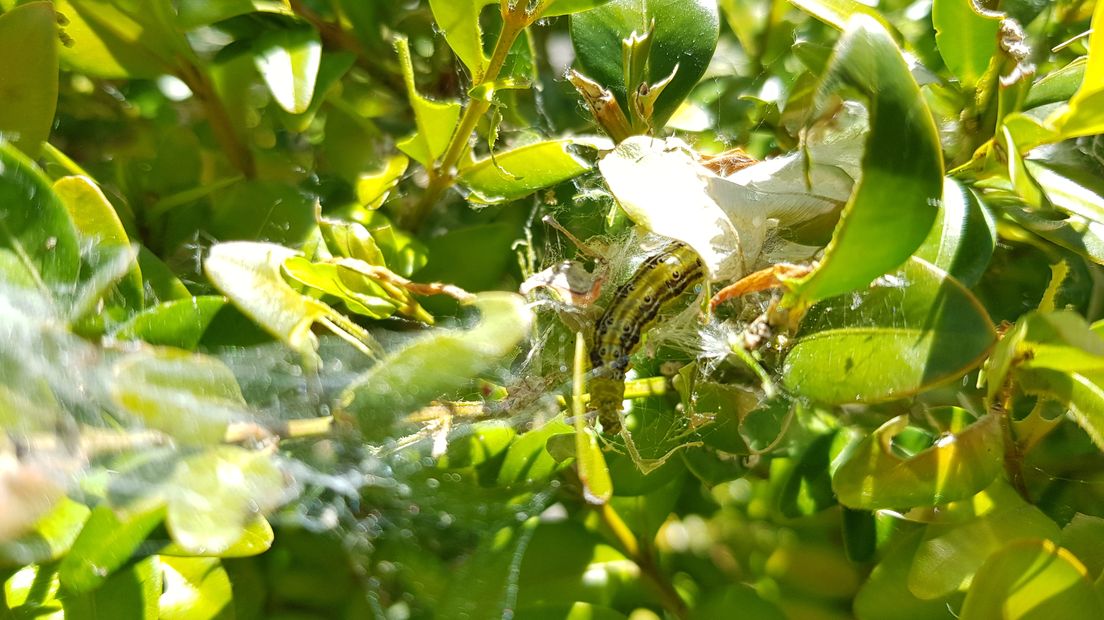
{"x": 435, "y": 121}
{"x": 107, "y": 43}
{"x": 804, "y": 481}
{"x": 1073, "y": 232}
{"x": 192, "y": 398}
{"x": 131, "y": 593}
{"x": 106, "y": 542}
{"x": 180, "y": 323}
{"x": 216, "y": 494}
{"x": 951, "y": 554}
{"x": 685, "y": 37}
{"x": 963, "y": 238}
{"x": 196, "y": 589}
{"x": 37, "y": 227}
{"x": 1076, "y": 192}
{"x": 51, "y": 536}
{"x": 892, "y": 208}
{"x": 1085, "y": 115}
{"x": 250, "y": 275}
{"x": 1056, "y": 86}
{"x": 967, "y": 38}
{"x": 519, "y": 172}
{"x": 32, "y": 590}
{"x": 288, "y": 61}
{"x": 437, "y": 364}
{"x": 28, "y": 75}
{"x": 117, "y": 40}
{"x": 909, "y": 331}
{"x": 195, "y": 13}
{"x": 873, "y": 476}
{"x": 837, "y": 13}
{"x": 1031, "y": 579}
{"x": 458, "y": 20}
{"x": 567, "y": 7}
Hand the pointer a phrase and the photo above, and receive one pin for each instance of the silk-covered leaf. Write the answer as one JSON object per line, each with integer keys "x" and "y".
{"x": 517, "y": 173}
{"x": 909, "y": 331}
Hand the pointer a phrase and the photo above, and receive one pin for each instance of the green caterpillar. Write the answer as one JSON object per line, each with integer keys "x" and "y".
{"x": 635, "y": 307}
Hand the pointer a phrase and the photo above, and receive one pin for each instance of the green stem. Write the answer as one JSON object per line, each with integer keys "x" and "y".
{"x": 221, "y": 125}
{"x": 443, "y": 174}
{"x": 643, "y": 557}
{"x": 1013, "y": 453}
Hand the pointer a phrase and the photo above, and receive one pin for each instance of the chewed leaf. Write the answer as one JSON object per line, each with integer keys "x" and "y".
{"x": 956, "y": 467}
{"x": 435, "y": 121}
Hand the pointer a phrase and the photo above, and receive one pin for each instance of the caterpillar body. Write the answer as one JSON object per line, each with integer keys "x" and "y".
{"x": 636, "y": 306}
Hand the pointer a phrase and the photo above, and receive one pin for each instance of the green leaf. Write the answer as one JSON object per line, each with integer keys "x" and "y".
{"x": 36, "y": 225}
{"x": 1085, "y": 115}
{"x": 373, "y": 189}
{"x": 458, "y": 20}
{"x": 593, "y": 472}
{"x": 28, "y": 75}
{"x": 105, "y": 42}
{"x": 288, "y": 60}
{"x": 893, "y": 206}
{"x": 527, "y": 459}
{"x": 963, "y": 238}
{"x": 180, "y": 323}
{"x": 951, "y": 554}
{"x": 1056, "y": 86}
{"x": 106, "y": 542}
{"x": 967, "y": 38}
{"x": 256, "y": 538}
{"x": 517, "y": 173}
{"x": 886, "y": 592}
{"x": 435, "y": 121}
{"x": 1082, "y": 536}
{"x": 216, "y": 494}
{"x": 567, "y": 7}
{"x": 837, "y": 13}
{"x": 872, "y": 476}
{"x": 685, "y": 37}
{"x": 1031, "y": 579}
{"x": 98, "y": 226}
{"x": 1056, "y": 356}
{"x": 352, "y": 281}
{"x": 132, "y": 593}
{"x": 437, "y": 364}
{"x": 195, "y": 13}
{"x": 250, "y": 275}
{"x": 482, "y": 587}
{"x": 738, "y": 600}
{"x": 196, "y": 589}
{"x": 192, "y": 398}
{"x": 50, "y": 538}
{"x": 909, "y": 331}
